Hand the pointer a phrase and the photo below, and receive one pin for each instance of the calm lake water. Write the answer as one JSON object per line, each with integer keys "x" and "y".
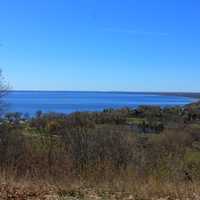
{"x": 66, "y": 102}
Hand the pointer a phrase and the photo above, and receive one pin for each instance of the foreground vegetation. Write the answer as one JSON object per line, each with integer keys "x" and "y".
{"x": 144, "y": 153}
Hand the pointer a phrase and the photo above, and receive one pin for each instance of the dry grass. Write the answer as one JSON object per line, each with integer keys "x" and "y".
{"x": 25, "y": 191}
{"x": 151, "y": 189}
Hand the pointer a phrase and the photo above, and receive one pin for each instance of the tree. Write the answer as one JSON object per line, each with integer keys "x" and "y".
{"x": 3, "y": 91}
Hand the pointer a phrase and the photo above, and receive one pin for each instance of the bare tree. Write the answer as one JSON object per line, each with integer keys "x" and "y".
{"x": 3, "y": 91}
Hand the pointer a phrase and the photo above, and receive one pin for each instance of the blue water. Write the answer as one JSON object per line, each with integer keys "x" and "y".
{"x": 67, "y": 102}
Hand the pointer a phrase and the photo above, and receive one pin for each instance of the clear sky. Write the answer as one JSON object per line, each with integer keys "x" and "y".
{"x": 122, "y": 45}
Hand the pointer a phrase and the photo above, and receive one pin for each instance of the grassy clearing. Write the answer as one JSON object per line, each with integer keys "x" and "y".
{"x": 136, "y": 121}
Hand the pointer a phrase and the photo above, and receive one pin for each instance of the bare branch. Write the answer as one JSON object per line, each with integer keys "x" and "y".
{"x": 4, "y": 88}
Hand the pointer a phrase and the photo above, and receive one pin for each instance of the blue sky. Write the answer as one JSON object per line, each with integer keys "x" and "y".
{"x": 123, "y": 45}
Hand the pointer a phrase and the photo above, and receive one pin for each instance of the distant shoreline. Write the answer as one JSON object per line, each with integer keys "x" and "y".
{"x": 195, "y": 95}
{"x": 183, "y": 94}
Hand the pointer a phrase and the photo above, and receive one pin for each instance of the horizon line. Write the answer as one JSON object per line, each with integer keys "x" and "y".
{"x": 103, "y": 91}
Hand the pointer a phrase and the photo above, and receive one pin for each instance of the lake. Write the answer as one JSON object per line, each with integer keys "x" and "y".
{"x": 66, "y": 102}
